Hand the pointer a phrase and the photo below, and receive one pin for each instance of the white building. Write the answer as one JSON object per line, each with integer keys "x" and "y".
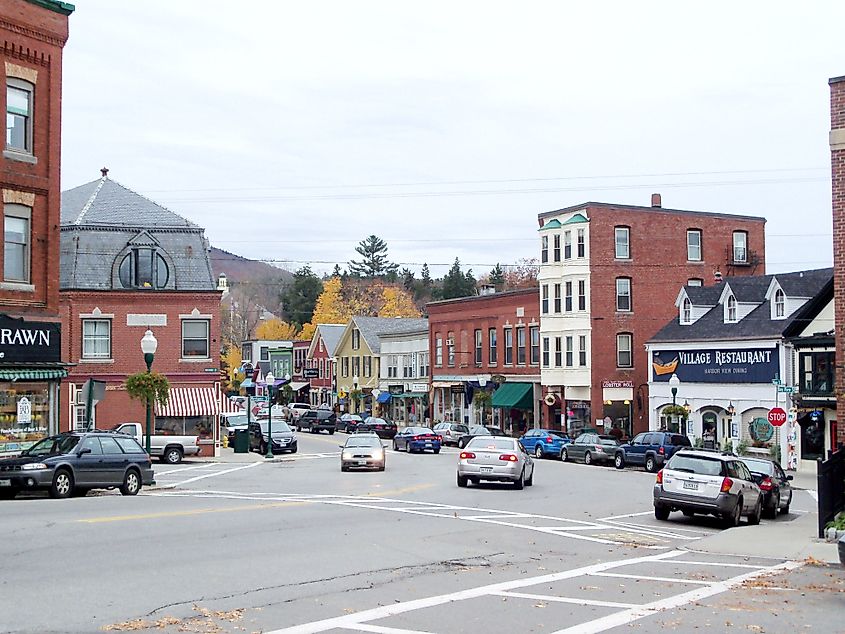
{"x": 404, "y": 376}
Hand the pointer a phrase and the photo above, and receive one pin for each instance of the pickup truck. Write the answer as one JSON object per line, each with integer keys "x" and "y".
{"x": 169, "y": 449}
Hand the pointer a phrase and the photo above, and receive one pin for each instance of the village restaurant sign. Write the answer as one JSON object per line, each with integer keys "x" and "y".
{"x": 717, "y": 365}
{"x": 29, "y": 341}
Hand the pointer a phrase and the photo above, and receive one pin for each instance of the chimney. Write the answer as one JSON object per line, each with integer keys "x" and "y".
{"x": 655, "y": 200}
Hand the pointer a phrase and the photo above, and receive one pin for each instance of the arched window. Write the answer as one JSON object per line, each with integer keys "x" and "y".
{"x": 143, "y": 268}
{"x": 686, "y": 312}
{"x": 731, "y": 309}
{"x": 780, "y": 309}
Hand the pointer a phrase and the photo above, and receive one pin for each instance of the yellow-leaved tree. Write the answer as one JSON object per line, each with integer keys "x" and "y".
{"x": 232, "y": 360}
{"x": 331, "y": 307}
{"x": 397, "y": 302}
{"x": 275, "y": 330}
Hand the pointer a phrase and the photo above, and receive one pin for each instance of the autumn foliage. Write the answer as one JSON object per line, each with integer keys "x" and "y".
{"x": 340, "y": 301}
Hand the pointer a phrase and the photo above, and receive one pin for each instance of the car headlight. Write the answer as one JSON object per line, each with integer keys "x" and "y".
{"x": 347, "y": 455}
{"x": 34, "y": 465}
{"x": 378, "y": 455}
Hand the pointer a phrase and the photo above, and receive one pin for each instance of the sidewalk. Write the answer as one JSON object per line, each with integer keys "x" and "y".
{"x": 792, "y": 537}
{"x": 227, "y": 454}
{"x": 803, "y": 480}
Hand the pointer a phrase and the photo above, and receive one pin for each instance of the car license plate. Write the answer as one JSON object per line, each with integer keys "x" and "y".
{"x": 362, "y": 462}
{"x": 486, "y": 469}
{"x": 693, "y": 486}
{"x": 5, "y": 483}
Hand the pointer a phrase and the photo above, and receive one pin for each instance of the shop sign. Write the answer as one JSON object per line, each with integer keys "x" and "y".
{"x": 395, "y": 390}
{"x": 419, "y": 387}
{"x": 311, "y": 373}
{"x": 498, "y": 378}
{"x": 24, "y": 411}
{"x": 458, "y": 389}
{"x": 612, "y": 384}
{"x": 577, "y": 404}
{"x": 716, "y": 365}
{"x": 761, "y": 430}
{"x": 28, "y": 341}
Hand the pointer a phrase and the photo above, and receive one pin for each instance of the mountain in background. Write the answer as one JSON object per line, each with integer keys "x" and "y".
{"x": 240, "y": 269}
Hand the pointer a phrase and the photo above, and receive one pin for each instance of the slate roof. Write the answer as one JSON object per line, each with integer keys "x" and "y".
{"x": 372, "y": 327}
{"x": 331, "y": 334}
{"x": 101, "y": 219}
{"x": 758, "y": 324}
{"x": 704, "y": 295}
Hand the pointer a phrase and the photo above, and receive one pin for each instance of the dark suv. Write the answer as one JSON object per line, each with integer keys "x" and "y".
{"x": 76, "y": 462}
{"x": 317, "y": 420}
{"x": 650, "y": 449}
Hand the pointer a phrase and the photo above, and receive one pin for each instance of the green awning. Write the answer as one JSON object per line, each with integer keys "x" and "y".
{"x": 31, "y": 374}
{"x": 576, "y": 219}
{"x": 515, "y": 395}
{"x": 554, "y": 223}
{"x": 411, "y": 395}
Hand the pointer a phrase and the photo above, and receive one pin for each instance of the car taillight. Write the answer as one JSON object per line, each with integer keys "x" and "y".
{"x": 727, "y": 483}
{"x": 439, "y": 438}
{"x": 417, "y": 438}
{"x": 766, "y": 484}
{"x": 549, "y": 439}
{"x": 661, "y": 451}
{"x": 659, "y": 477}
{"x": 508, "y": 457}
{"x": 599, "y": 448}
{"x": 467, "y": 455}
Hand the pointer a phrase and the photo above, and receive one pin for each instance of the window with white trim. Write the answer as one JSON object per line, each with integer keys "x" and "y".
{"x": 623, "y": 294}
{"x": 96, "y": 338}
{"x": 740, "y": 249}
{"x": 16, "y": 243}
{"x": 581, "y": 242}
{"x": 479, "y": 346}
{"x": 195, "y": 338}
{"x": 686, "y": 311}
{"x": 557, "y": 247}
{"x": 558, "y": 351}
{"x": 780, "y": 303}
{"x": 392, "y": 366}
{"x": 545, "y": 352}
{"x": 544, "y": 249}
{"x": 450, "y": 349}
{"x": 520, "y": 345}
{"x": 569, "y": 351}
{"x": 582, "y": 350}
{"x": 567, "y": 245}
{"x": 557, "y": 298}
{"x": 534, "y": 332}
{"x": 624, "y": 350}
{"x": 19, "y": 109}
{"x": 508, "y": 346}
{"x": 544, "y": 298}
{"x": 622, "y": 237}
{"x": 695, "y": 281}
{"x": 493, "y": 352}
{"x": 438, "y": 351}
{"x": 568, "y": 297}
{"x": 730, "y": 309}
{"x": 694, "y": 245}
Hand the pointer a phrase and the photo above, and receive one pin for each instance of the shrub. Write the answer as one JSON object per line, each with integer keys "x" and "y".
{"x": 742, "y": 447}
{"x": 728, "y": 446}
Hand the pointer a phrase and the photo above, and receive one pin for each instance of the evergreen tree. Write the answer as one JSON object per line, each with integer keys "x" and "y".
{"x": 456, "y": 283}
{"x": 299, "y": 297}
{"x": 408, "y": 279}
{"x": 425, "y": 276}
{"x": 374, "y": 262}
{"x": 336, "y": 272}
{"x": 497, "y": 277}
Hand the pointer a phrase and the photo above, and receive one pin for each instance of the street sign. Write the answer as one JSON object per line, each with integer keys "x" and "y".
{"x": 94, "y": 389}
{"x": 775, "y": 381}
{"x": 788, "y": 389}
{"x": 777, "y": 416}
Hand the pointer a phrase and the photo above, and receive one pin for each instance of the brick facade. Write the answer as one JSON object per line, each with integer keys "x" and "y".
{"x": 126, "y": 357}
{"x": 837, "y": 159}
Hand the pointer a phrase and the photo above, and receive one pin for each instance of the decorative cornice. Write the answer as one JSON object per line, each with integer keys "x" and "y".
{"x": 19, "y": 51}
{"x": 127, "y": 228}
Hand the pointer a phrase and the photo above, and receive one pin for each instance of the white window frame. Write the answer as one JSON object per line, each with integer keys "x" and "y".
{"x": 624, "y": 346}
{"x": 13, "y": 83}
{"x": 740, "y": 247}
{"x": 557, "y": 247}
{"x": 567, "y": 245}
{"x": 695, "y": 250}
{"x": 207, "y": 339}
{"x": 623, "y": 292}
{"x": 570, "y": 352}
{"x": 581, "y": 243}
{"x": 508, "y": 345}
{"x": 93, "y": 338}
{"x": 686, "y": 311}
{"x": 582, "y": 350}
{"x": 544, "y": 249}
{"x": 730, "y": 309}
{"x": 24, "y": 213}
{"x": 622, "y": 243}
{"x": 558, "y": 304}
{"x": 780, "y": 304}
{"x": 544, "y": 298}
{"x": 438, "y": 351}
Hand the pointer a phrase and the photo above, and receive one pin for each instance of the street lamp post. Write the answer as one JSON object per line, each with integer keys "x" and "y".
{"x": 674, "y": 382}
{"x": 269, "y": 379}
{"x": 357, "y": 396}
{"x": 149, "y": 345}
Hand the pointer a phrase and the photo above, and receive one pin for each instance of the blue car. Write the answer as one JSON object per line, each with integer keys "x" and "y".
{"x": 413, "y": 439}
{"x": 544, "y": 442}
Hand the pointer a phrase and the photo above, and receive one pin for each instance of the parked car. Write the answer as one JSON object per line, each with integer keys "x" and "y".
{"x": 590, "y": 448}
{"x": 707, "y": 482}
{"x": 480, "y": 430}
{"x": 412, "y": 439}
{"x": 496, "y": 458}
{"x": 451, "y": 432}
{"x": 382, "y": 427}
{"x": 317, "y": 420}
{"x": 283, "y": 437}
{"x": 650, "y": 449}
{"x": 295, "y": 410}
{"x": 348, "y": 422}
{"x": 73, "y": 463}
{"x": 774, "y": 485}
{"x": 362, "y": 450}
{"x": 167, "y": 448}
{"x": 544, "y": 442}
{"x": 231, "y": 423}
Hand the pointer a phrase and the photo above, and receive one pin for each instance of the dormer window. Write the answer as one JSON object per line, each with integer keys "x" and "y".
{"x": 730, "y": 310}
{"x": 686, "y": 311}
{"x": 143, "y": 268}
{"x": 780, "y": 308}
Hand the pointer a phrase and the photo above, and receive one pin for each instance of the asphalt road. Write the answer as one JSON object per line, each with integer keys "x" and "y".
{"x": 297, "y": 546}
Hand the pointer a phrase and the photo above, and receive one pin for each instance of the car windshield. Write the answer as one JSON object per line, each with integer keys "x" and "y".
{"x": 363, "y": 441}
{"x": 758, "y": 466}
{"x": 279, "y": 426}
{"x": 52, "y": 446}
{"x": 695, "y": 464}
{"x": 491, "y": 444}
{"x": 608, "y": 441}
{"x": 240, "y": 419}
{"x": 417, "y": 430}
{"x": 559, "y": 434}
{"x": 677, "y": 439}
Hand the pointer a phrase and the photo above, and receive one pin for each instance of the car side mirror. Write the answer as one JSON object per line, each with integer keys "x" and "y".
{"x": 83, "y": 451}
{"x": 789, "y": 477}
{"x": 341, "y": 446}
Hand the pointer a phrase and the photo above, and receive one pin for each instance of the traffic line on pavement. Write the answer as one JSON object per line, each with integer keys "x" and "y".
{"x": 576, "y": 601}
{"x": 163, "y": 514}
{"x": 617, "y": 575}
{"x": 378, "y": 629}
{"x": 180, "y": 470}
{"x": 209, "y": 475}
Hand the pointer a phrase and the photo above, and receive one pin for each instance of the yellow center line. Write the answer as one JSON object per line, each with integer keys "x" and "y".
{"x": 416, "y": 487}
{"x": 150, "y": 516}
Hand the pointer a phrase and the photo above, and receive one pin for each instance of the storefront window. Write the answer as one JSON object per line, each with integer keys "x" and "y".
{"x": 812, "y": 436}
{"x": 16, "y": 434}
{"x": 184, "y": 426}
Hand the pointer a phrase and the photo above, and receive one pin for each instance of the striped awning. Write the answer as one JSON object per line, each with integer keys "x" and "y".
{"x": 31, "y": 374}
{"x": 227, "y": 406}
{"x": 191, "y": 401}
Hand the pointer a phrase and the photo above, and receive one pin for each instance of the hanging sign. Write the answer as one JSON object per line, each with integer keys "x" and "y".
{"x": 24, "y": 411}
{"x": 716, "y": 365}
{"x": 25, "y": 341}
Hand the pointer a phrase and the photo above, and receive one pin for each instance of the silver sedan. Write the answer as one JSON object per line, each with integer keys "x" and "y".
{"x": 362, "y": 451}
{"x": 495, "y": 458}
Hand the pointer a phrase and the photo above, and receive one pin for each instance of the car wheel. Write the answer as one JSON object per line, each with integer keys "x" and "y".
{"x": 172, "y": 455}
{"x": 436, "y": 451}
{"x": 395, "y": 446}
{"x": 588, "y": 458}
{"x": 661, "y": 513}
{"x": 344, "y": 468}
{"x": 538, "y": 451}
{"x": 62, "y": 485}
{"x": 462, "y": 481}
{"x": 331, "y": 432}
{"x": 530, "y": 481}
{"x": 564, "y": 455}
{"x": 650, "y": 464}
{"x": 519, "y": 483}
{"x": 770, "y": 511}
{"x": 785, "y": 509}
{"x": 731, "y": 519}
{"x": 619, "y": 461}
{"x": 754, "y": 518}
{"x": 131, "y": 483}
{"x": 381, "y": 468}
{"x": 294, "y": 450}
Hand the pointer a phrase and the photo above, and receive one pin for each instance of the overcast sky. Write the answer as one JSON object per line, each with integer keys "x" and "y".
{"x": 292, "y": 130}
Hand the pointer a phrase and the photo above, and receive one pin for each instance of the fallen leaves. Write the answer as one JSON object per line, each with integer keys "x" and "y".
{"x": 204, "y": 623}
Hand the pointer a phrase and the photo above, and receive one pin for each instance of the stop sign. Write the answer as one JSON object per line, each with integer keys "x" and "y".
{"x": 777, "y": 416}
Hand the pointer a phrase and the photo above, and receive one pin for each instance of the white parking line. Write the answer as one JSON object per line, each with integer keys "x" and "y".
{"x": 617, "y": 575}
{"x": 208, "y": 475}
{"x": 576, "y": 601}
{"x": 813, "y": 494}
{"x": 180, "y": 470}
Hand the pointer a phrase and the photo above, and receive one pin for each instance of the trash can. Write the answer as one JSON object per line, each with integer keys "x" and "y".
{"x": 241, "y": 441}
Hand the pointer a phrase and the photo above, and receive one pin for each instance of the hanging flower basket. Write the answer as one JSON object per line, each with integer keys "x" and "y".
{"x": 149, "y": 387}
{"x": 675, "y": 410}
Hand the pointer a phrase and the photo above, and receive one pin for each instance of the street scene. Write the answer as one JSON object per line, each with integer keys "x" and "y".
{"x": 422, "y": 319}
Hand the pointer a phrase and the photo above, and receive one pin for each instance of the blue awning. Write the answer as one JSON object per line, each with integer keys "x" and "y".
{"x": 247, "y": 383}
{"x": 384, "y": 397}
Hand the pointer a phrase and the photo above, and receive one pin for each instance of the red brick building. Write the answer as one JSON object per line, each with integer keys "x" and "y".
{"x": 129, "y": 265}
{"x": 486, "y": 345}
{"x": 609, "y": 277}
{"x": 33, "y": 35}
{"x": 837, "y": 160}
{"x": 322, "y": 362}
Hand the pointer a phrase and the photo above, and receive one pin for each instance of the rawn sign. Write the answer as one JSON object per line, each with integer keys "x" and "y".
{"x": 29, "y": 341}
